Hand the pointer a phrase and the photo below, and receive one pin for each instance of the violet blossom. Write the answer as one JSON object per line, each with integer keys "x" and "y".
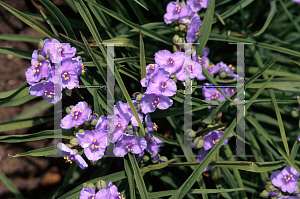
{"x": 69, "y": 77}
{"x": 70, "y": 155}
{"x": 113, "y": 192}
{"x": 193, "y": 30}
{"x": 176, "y": 11}
{"x": 153, "y": 144}
{"x": 286, "y": 179}
{"x": 89, "y": 193}
{"x": 46, "y": 90}
{"x": 161, "y": 84}
{"x": 191, "y": 71}
{"x": 93, "y": 142}
{"x": 129, "y": 143}
{"x": 212, "y": 138}
{"x": 202, "y": 153}
{"x": 149, "y": 124}
{"x": 150, "y": 102}
{"x": 196, "y": 5}
{"x": 78, "y": 115}
{"x": 170, "y": 61}
{"x": 123, "y": 110}
{"x": 211, "y": 93}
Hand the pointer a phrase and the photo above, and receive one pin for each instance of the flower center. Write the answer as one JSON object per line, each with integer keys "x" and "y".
{"x": 37, "y": 67}
{"x": 177, "y": 8}
{"x": 192, "y": 68}
{"x": 91, "y": 196}
{"x": 209, "y": 68}
{"x": 197, "y": 30}
{"x": 155, "y": 103}
{"x": 76, "y": 114}
{"x": 69, "y": 159}
{"x": 288, "y": 178}
{"x": 198, "y": 1}
{"x": 171, "y": 60}
{"x": 130, "y": 146}
{"x": 66, "y": 75}
{"x": 164, "y": 84}
{"x": 231, "y": 67}
{"x": 118, "y": 125}
{"x": 120, "y": 196}
{"x": 82, "y": 70}
{"x": 151, "y": 67}
{"x": 95, "y": 144}
{"x": 215, "y": 95}
{"x": 155, "y": 126}
{"x": 50, "y": 94}
{"x": 61, "y": 49}
{"x": 216, "y": 140}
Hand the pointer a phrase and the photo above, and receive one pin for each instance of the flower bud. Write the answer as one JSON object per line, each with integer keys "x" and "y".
{"x": 298, "y": 99}
{"x": 139, "y": 97}
{"x": 270, "y": 187}
{"x": 162, "y": 159}
{"x": 182, "y": 3}
{"x": 94, "y": 122}
{"x": 190, "y": 134}
{"x": 198, "y": 142}
{"x": 74, "y": 141}
{"x": 223, "y": 74}
{"x": 87, "y": 123}
{"x": 129, "y": 130}
{"x": 88, "y": 185}
{"x": 41, "y": 58}
{"x": 176, "y": 28}
{"x": 155, "y": 158}
{"x": 101, "y": 184}
{"x": 175, "y": 48}
{"x": 273, "y": 193}
{"x": 75, "y": 150}
{"x": 81, "y": 131}
{"x": 146, "y": 158}
{"x": 176, "y": 38}
{"x": 48, "y": 54}
{"x": 138, "y": 107}
{"x": 41, "y": 44}
{"x": 264, "y": 194}
{"x": 295, "y": 112}
{"x": 69, "y": 145}
{"x": 182, "y": 27}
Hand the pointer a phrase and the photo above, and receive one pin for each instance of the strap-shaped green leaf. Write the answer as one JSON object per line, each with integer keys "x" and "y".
{"x": 16, "y": 52}
{"x": 38, "y": 152}
{"x": 10, "y": 186}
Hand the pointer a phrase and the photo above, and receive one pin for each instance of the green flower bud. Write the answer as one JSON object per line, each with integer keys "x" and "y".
{"x": 176, "y": 28}
{"x": 74, "y": 141}
{"x": 94, "y": 122}
{"x": 198, "y": 142}
{"x": 75, "y": 150}
{"x": 264, "y": 194}
{"x": 176, "y": 38}
{"x": 81, "y": 130}
{"x": 48, "y": 53}
{"x": 68, "y": 109}
{"x": 175, "y": 48}
{"x": 88, "y": 185}
{"x": 101, "y": 184}
{"x": 87, "y": 123}
{"x": 41, "y": 44}
{"x": 138, "y": 106}
{"x": 163, "y": 158}
{"x": 270, "y": 187}
{"x": 69, "y": 145}
{"x": 41, "y": 58}
{"x": 182, "y": 3}
{"x": 295, "y": 112}
{"x": 223, "y": 75}
{"x": 146, "y": 158}
{"x": 152, "y": 156}
{"x": 298, "y": 99}
{"x": 139, "y": 97}
{"x": 190, "y": 133}
{"x": 182, "y": 27}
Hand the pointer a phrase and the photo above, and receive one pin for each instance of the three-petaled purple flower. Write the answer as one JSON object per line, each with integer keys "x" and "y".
{"x": 123, "y": 110}
{"x": 113, "y": 192}
{"x": 296, "y": 1}
{"x": 211, "y": 93}
{"x": 93, "y": 142}
{"x": 176, "y": 11}
{"x": 129, "y": 143}
{"x": 69, "y": 76}
{"x": 212, "y": 138}
{"x": 46, "y": 90}
{"x": 78, "y": 115}
{"x": 286, "y": 179}
{"x": 89, "y": 193}
{"x": 193, "y": 30}
{"x": 58, "y": 51}
{"x": 153, "y": 144}
{"x": 150, "y": 102}
{"x": 38, "y": 69}
{"x": 151, "y": 69}
{"x": 191, "y": 71}
{"x": 151, "y": 126}
{"x": 161, "y": 84}
{"x": 170, "y": 62}
{"x": 70, "y": 155}
{"x": 202, "y": 153}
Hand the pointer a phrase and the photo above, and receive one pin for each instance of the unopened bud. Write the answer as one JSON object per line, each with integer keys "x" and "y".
{"x": 146, "y": 158}
{"x": 176, "y": 28}
{"x": 270, "y": 187}
{"x": 101, "y": 184}
{"x": 88, "y": 185}
{"x": 68, "y": 109}
{"x": 190, "y": 134}
{"x": 87, "y": 123}
{"x": 69, "y": 145}
{"x": 94, "y": 122}
{"x": 139, "y": 97}
{"x": 264, "y": 194}
{"x": 198, "y": 142}
{"x": 175, "y": 48}
{"x": 182, "y": 3}
{"x": 81, "y": 131}
{"x": 48, "y": 53}
{"x": 176, "y": 38}
{"x": 273, "y": 193}
{"x": 75, "y": 150}
{"x": 41, "y": 44}
{"x": 41, "y": 58}
{"x": 223, "y": 74}
{"x": 295, "y": 112}
{"x": 74, "y": 141}
{"x": 298, "y": 99}
{"x": 182, "y": 27}
{"x": 162, "y": 159}
{"x": 155, "y": 158}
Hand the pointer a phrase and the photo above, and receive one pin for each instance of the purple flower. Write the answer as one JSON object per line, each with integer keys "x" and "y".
{"x": 150, "y": 102}
{"x": 227, "y": 69}
{"x": 170, "y": 62}
{"x": 38, "y": 69}
{"x": 70, "y": 155}
{"x": 151, "y": 69}
{"x": 120, "y": 125}
{"x": 196, "y": 5}
{"x": 212, "y": 138}
{"x": 296, "y": 1}
{"x": 273, "y": 193}
{"x": 129, "y": 143}
{"x": 150, "y": 125}
{"x": 93, "y": 142}
{"x": 288, "y": 197}
{"x": 202, "y": 153}
{"x": 58, "y": 51}
{"x": 89, "y": 193}
{"x": 286, "y": 179}
{"x": 191, "y": 71}
{"x": 153, "y": 144}
{"x": 176, "y": 11}
{"x": 113, "y": 192}
{"x": 299, "y": 138}
{"x": 46, "y": 90}
{"x": 123, "y": 110}
{"x": 69, "y": 76}
{"x": 211, "y": 93}
{"x": 193, "y": 30}
{"x": 78, "y": 115}
{"x": 80, "y": 67}
{"x": 161, "y": 84}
